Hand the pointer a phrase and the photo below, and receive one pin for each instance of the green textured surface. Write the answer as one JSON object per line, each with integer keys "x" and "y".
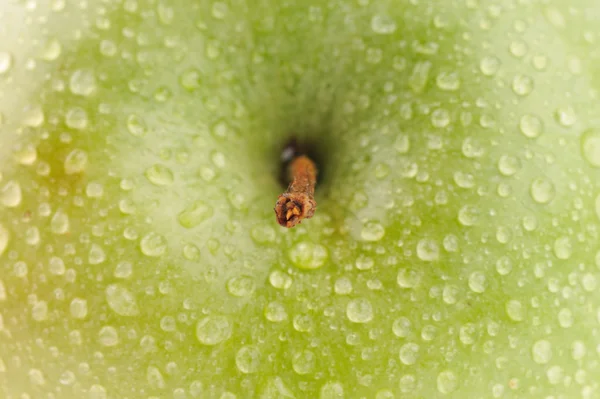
{"x": 454, "y": 252}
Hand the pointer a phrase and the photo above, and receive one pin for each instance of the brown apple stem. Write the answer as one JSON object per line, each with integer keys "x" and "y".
{"x": 298, "y": 202}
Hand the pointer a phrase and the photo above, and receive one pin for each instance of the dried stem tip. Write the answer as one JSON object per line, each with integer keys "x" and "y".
{"x": 298, "y": 202}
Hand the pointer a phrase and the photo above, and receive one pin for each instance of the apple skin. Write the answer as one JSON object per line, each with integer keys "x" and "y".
{"x": 454, "y": 252}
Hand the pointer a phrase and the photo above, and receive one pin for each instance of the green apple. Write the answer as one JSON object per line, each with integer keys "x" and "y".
{"x": 454, "y": 251}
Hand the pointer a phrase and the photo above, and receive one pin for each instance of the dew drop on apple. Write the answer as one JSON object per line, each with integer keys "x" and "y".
{"x": 503, "y": 265}
{"x": 477, "y": 282}
{"x": 563, "y": 249}
{"x": 280, "y": 280}
{"x": 75, "y": 162}
{"x": 6, "y": 62}
{"x": 56, "y": 266}
{"x": 59, "y": 224}
{"x": 155, "y": 378}
{"x": 20, "y": 269}
{"x": 82, "y": 82}
{"x": 359, "y": 310}
{"x": 51, "y": 50}
{"x": 240, "y": 286}
{"x": 531, "y": 126}
{"x": 94, "y": 190}
{"x": 447, "y": 382}
{"x": 108, "y": 48}
{"x": 247, "y": 359}
{"x": 25, "y": 155}
{"x": 159, "y": 175}
{"x": 440, "y": 118}
{"x": 96, "y": 255}
{"x": 489, "y": 65}
{"x": 542, "y": 190}
{"x": 450, "y": 294}
{"x": 590, "y": 147}
{"x": 448, "y": 81}
{"x": 153, "y": 244}
{"x": 97, "y": 392}
{"x": 307, "y": 255}
{"x": 2, "y": 297}
{"x": 372, "y": 231}
{"x": 195, "y": 214}
{"x": 121, "y": 300}
{"x": 467, "y": 333}
{"x": 468, "y": 215}
{"x": 578, "y": 350}
{"x": 555, "y": 374}
{"x": 428, "y": 250}
{"x": 275, "y": 312}
{"x": 409, "y": 353}
{"x": 565, "y": 116}
{"x": 515, "y": 310}
{"x": 136, "y": 125}
{"x": 402, "y": 144}
{"x": 364, "y": 262}
{"x": 36, "y": 377}
{"x": 78, "y": 308}
{"x": 34, "y": 116}
{"x": 11, "y": 195}
{"x": 419, "y": 77}
{"x": 332, "y": 390}
{"x": 39, "y": 311}
{"x": 408, "y": 383}
{"x": 212, "y": 330}
{"x": 191, "y": 252}
{"x": 76, "y": 118}
{"x": 541, "y": 351}
{"x": 409, "y": 277}
{"x": 303, "y": 362}
{"x": 303, "y": 323}
{"x": 383, "y": 24}
{"x": 522, "y": 85}
{"x": 508, "y": 165}
{"x": 565, "y": 318}
{"x": 402, "y": 327}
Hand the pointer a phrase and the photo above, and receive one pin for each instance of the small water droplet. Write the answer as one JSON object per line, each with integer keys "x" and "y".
{"x": 121, "y": 300}
{"x": 332, "y": 390}
{"x": 447, "y": 382}
{"x": 383, "y": 24}
{"x": 97, "y": 392}
{"x": 51, "y": 50}
{"x": 372, "y": 231}
{"x": 59, "y": 223}
{"x": 6, "y": 61}
{"x": 56, "y": 266}
{"x": 565, "y": 116}
{"x": 515, "y": 310}
{"x": 153, "y": 244}
{"x": 448, "y": 81}
{"x": 76, "y": 162}
{"x": 303, "y": 323}
{"x": 531, "y": 126}
{"x": 308, "y": 255}
{"x": 159, "y": 175}
{"x": 508, "y": 165}
{"x": 76, "y": 118}
{"x": 240, "y": 286}
{"x": 165, "y": 13}
{"x": 503, "y": 265}
{"x": 11, "y": 195}
{"x": 136, "y": 125}
{"x": 359, "y": 311}
{"x": 578, "y": 350}
{"x": 34, "y": 116}
{"x": 409, "y": 353}
{"x": 522, "y": 85}
{"x": 195, "y": 214}
{"x": 428, "y": 250}
{"x": 541, "y": 351}
{"x": 82, "y": 82}
{"x": 409, "y": 278}
{"x": 303, "y": 362}
{"x": 219, "y": 10}
{"x": 468, "y": 215}
{"x": 563, "y": 249}
{"x": 190, "y": 79}
{"x": 280, "y": 280}
{"x": 94, "y": 190}
{"x": 402, "y": 144}
{"x": 212, "y": 330}
{"x": 440, "y": 118}
{"x": 565, "y": 318}
{"x": 419, "y": 77}
{"x": 78, "y": 308}
{"x": 450, "y": 294}
{"x": 590, "y": 147}
{"x": 477, "y": 282}
{"x": 401, "y": 327}
{"x": 343, "y": 286}
{"x": 542, "y": 190}
{"x": 39, "y": 310}
{"x": 123, "y": 269}
{"x": 518, "y": 48}
{"x": 155, "y": 378}
{"x": 489, "y": 65}
{"x": 555, "y": 375}
{"x": 36, "y": 377}
{"x": 275, "y": 312}
{"x": 247, "y": 359}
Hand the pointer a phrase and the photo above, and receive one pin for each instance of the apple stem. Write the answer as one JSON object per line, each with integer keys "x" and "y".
{"x": 298, "y": 202}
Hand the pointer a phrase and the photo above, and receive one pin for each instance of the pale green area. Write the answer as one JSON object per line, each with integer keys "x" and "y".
{"x": 454, "y": 252}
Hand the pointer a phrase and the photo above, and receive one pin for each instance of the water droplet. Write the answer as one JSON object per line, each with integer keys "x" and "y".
{"x": 409, "y": 353}
{"x": 555, "y": 374}
{"x": 280, "y": 280}
{"x": 468, "y": 215}
{"x": 59, "y": 223}
{"x": 303, "y": 323}
{"x": 541, "y": 351}
{"x": 219, "y": 10}
{"x": 384, "y": 394}
{"x": 522, "y": 85}
{"x": 25, "y": 155}
{"x": 409, "y": 278}
{"x": 213, "y": 330}
{"x": 565, "y": 318}
{"x": 136, "y": 125}
{"x": 508, "y": 165}
{"x": 240, "y": 286}
{"x": 155, "y": 378}
{"x": 489, "y": 65}
{"x": 542, "y": 190}
{"x": 97, "y": 392}
{"x": 307, "y": 255}
{"x": 503, "y": 265}
{"x": 447, "y": 382}
{"x": 450, "y": 294}
{"x": 123, "y": 269}
{"x": 4, "y": 238}
{"x": 303, "y": 362}
{"x": 402, "y": 144}
{"x": 247, "y": 359}
{"x": 448, "y": 81}
{"x": 153, "y": 244}
{"x": 275, "y": 312}
{"x": 96, "y": 255}
{"x": 34, "y": 116}
{"x": 565, "y": 116}
{"x": 51, "y": 50}
{"x": 401, "y": 327}
{"x": 467, "y": 334}
{"x": 195, "y": 214}
{"x": 76, "y": 118}
{"x": 78, "y": 308}
{"x": 332, "y": 390}
{"x": 11, "y": 194}
{"x": 383, "y": 24}
{"x": 590, "y": 147}
{"x": 82, "y": 82}
{"x": 6, "y": 61}
{"x": 578, "y": 350}
{"x": 518, "y": 48}
{"x": 190, "y": 79}
{"x": 36, "y": 377}
{"x": 94, "y": 190}
{"x": 159, "y": 175}
{"x": 165, "y": 13}
{"x": 477, "y": 282}
{"x": 563, "y": 249}
{"x": 420, "y": 74}
{"x": 56, "y": 266}
{"x": 428, "y": 250}
{"x": 364, "y": 262}
{"x": 514, "y": 310}
{"x": 108, "y": 336}
{"x": 359, "y": 311}
{"x": 408, "y": 383}
{"x": 440, "y": 118}
{"x": 121, "y": 300}
{"x": 39, "y": 310}
{"x": 372, "y": 231}
{"x": 76, "y": 162}
{"x": 531, "y": 126}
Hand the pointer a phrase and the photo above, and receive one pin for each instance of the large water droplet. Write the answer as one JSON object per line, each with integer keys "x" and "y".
{"x": 11, "y": 195}
{"x": 359, "y": 311}
{"x": 565, "y": 318}
{"x": 542, "y": 190}
{"x": 447, "y": 382}
{"x": 153, "y": 244}
{"x": 6, "y": 61}
{"x": 275, "y": 312}
{"x": 565, "y": 116}
{"x": 468, "y": 215}
{"x": 541, "y": 351}
{"x": 522, "y": 85}
{"x": 372, "y": 231}
{"x": 121, "y": 300}
{"x": 477, "y": 282}
{"x": 96, "y": 255}
{"x": 78, "y": 308}
{"x": 303, "y": 362}
{"x": 531, "y": 126}
{"x": 247, "y": 359}
{"x": 409, "y": 353}
{"x": 195, "y": 214}
{"x": 515, "y": 310}
{"x": 428, "y": 250}
{"x": 489, "y": 65}
{"x": 332, "y": 390}
{"x": 213, "y": 330}
{"x": 563, "y": 249}
{"x": 308, "y": 255}
{"x": 159, "y": 175}
{"x": 590, "y": 147}
{"x": 76, "y": 118}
